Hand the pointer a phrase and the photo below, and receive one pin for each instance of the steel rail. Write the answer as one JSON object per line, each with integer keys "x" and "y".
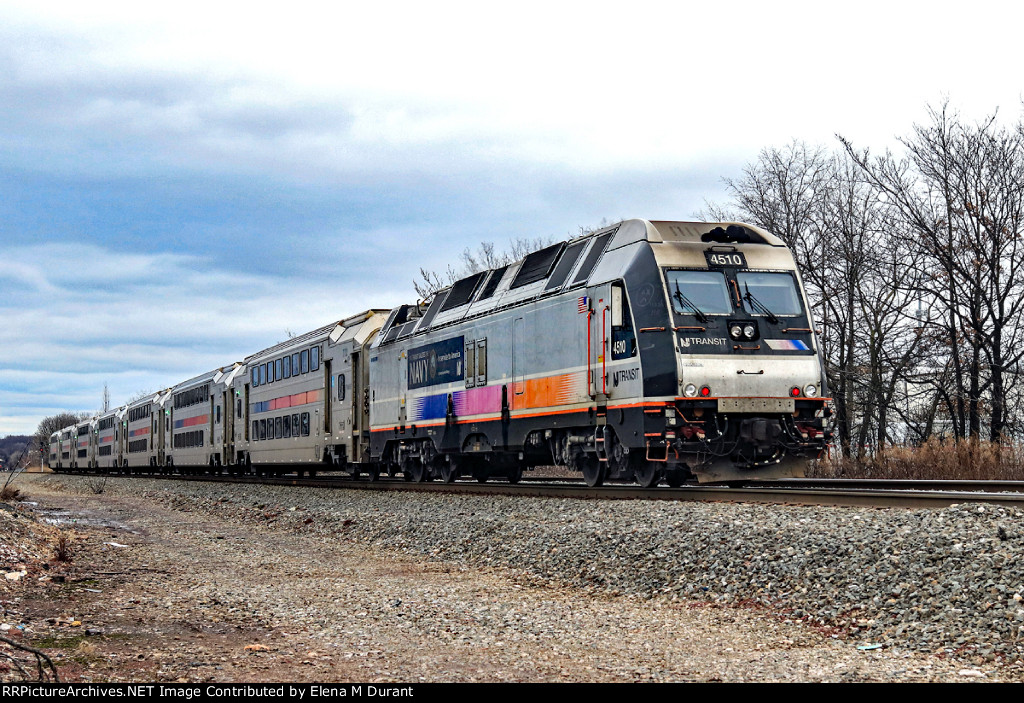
{"x": 864, "y": 494}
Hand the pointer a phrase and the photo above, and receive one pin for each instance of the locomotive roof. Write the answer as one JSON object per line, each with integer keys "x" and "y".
{"x": 574, "y": 263}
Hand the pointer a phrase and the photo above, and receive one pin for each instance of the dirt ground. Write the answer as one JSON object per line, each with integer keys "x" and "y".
{"x": 157, "y": 594}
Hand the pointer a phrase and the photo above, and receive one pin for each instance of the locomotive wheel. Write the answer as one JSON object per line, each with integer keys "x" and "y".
{"x": 373, "y": 473}
{"x": 449, "y": 472}
{"x": 593, "y": 470}
{"x": 647, "y": 474}
{"x": 515, "y": 474}
{"x": 414, "y": 470}
{"x": 481, "y": 475}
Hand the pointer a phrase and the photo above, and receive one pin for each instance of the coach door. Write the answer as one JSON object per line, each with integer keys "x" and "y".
{"x": 228, "y": 429}
{"x": 328, "y": 399}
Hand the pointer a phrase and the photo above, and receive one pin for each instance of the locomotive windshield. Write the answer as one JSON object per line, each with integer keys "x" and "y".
{"x": 698, "y": 292}
{"x": 769, "y": 293}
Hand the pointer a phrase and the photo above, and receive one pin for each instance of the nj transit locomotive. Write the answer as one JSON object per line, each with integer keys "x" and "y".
{"x": 646, "y": 351}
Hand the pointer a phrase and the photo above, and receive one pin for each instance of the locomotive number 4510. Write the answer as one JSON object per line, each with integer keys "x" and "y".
{"x": 732, "y": 259}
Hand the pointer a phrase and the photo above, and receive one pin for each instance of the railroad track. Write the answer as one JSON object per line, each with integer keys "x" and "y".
{"x": 829, "y": 492}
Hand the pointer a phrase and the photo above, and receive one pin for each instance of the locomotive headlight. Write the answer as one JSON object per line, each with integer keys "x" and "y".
{"x": 749, "y": 331}
{"x": 736, "y": 332}
{"x": 810, "y": 390}
{"x": 690, "y": 390}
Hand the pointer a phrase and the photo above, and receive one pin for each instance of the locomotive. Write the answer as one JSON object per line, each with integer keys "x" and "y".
{"x": 647, "y": 351}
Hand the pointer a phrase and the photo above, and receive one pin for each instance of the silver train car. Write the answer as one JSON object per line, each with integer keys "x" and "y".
{"x": 647, "y": 351}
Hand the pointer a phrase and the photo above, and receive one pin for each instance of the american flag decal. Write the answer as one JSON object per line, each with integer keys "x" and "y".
{"x": 582, "y": 303}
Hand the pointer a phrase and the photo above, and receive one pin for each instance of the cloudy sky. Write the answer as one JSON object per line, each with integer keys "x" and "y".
{"x": 182, "y": 184}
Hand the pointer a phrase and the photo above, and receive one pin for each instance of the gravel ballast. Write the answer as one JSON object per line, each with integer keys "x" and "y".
{"x": 944, "y": 581}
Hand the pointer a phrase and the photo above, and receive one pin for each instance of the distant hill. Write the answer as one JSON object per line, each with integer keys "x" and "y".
{"x": 11, "y": 444}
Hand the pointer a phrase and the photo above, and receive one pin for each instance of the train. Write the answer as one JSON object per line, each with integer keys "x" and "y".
{"x": 647, "y": 351}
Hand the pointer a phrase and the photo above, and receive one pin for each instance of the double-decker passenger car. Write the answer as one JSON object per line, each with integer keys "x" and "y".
{"x": 305, "y": 399}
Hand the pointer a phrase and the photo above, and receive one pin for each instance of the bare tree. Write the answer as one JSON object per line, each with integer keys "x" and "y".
{"x": 51, "y": 424}
{"x": 959, "y": 192}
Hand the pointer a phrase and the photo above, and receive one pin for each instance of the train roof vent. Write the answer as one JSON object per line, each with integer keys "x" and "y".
{"x": 732, "y": 234}
{"x": 537, "y": 266}
{"x": 462, "y": 291}
{"x": 565, "y": 264}
{"x": 600, "y": 244}
{"x": 492, "y": 282}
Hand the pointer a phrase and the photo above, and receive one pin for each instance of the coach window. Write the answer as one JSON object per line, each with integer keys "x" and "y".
{"x": 270, "y": 372}
{"x": 305, "y": 424}
{"x": 218, "y": 415}
{"x": 288, "y": 367}
{"x": 263, "y": 429}
{"x": 295, "y": 425}
{"x": 278, "y": 372}
{"x": 255, "y": 429}
{"x": 278, "y": 428}
{"x": 314, "y": 358}
{"x": 295, "y": 364}
{"x": 238, "y": 411}
{"x": 304, "y": 361}
{"x": 341, "y": 386}
{"x": 287, "y": 426}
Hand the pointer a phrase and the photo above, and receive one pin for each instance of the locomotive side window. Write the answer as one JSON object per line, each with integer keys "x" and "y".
{"x": 481, "y": 362}
{"x": 623, "y": 338}
{"x": 694, "y": 292}
{"x": 470, "y": 363}
{"x": 775, "y": 291}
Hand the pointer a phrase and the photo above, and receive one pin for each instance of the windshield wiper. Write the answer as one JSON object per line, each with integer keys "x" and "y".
{"x": 749, "y": 297}
{"x": 683, "y": 300}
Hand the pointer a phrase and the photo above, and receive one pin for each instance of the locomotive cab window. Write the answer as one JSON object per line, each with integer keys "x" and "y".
{"x": 762, "y": 291}
{"x": 698, "y": 292}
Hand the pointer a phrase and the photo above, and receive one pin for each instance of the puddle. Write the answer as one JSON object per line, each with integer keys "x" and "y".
{"x": 65, "y": 518}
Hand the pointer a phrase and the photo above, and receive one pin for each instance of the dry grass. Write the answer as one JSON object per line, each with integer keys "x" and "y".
{"x": 9, "y": 493}
{"x": 62, "y": 547}
{"x": 935, "y": 459}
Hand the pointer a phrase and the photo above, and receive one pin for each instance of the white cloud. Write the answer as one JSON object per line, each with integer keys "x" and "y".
{"x": 149, "y": 321}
